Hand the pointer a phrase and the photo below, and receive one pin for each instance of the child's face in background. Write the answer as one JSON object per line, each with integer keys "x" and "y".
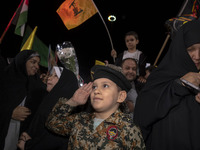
{"x": 131, "y": 42}
{"x": 104, "y": 96}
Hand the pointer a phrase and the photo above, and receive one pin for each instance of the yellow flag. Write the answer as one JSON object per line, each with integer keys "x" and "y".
{"x": 75, "y": 12}
{"x": 97, "y": 62}
{"x": 29, "y": 42}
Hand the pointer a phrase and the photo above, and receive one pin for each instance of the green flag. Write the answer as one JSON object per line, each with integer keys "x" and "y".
{"x": 20, "y": 26}
{"x": 38, "y": 46}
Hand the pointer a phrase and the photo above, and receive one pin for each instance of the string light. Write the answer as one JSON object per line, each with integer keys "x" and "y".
{"x": 112, "y": 18}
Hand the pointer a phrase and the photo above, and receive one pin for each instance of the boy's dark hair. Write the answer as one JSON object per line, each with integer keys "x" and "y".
{"x": 133, "y": 33}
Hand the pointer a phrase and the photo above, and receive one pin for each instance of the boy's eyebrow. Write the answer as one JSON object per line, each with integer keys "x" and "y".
{"x": 103, "y": 82}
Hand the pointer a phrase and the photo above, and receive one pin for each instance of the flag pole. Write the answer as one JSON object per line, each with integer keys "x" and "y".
{"x": 105, "y": 27}
{"x": 168, "y": 35}
{"x": 8, "y": 26}
{"x": 49, "y": 59}
{"x": 162, "y": 48}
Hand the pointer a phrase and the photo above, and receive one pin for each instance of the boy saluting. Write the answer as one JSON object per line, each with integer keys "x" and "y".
{"x": 107, "y": 127}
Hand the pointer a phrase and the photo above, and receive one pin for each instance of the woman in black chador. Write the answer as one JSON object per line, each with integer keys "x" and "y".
{"x": 20, "y": 89}
{"x": 166, "y": 110}
{"x": 37, "y": 136}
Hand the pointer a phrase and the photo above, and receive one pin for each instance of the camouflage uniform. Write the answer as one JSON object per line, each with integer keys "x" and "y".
{"x": 116, "y": 132}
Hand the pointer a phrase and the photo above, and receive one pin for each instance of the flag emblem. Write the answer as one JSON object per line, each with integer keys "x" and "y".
{"x": 75, "y": 12}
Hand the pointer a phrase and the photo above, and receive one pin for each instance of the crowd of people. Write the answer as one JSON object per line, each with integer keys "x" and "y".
{"x": 126, "y": 105}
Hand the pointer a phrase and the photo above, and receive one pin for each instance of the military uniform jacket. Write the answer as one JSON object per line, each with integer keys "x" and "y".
{"x": 116, "y": 132}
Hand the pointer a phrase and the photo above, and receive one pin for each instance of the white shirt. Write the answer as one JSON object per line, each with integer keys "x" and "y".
{"x": 135, "y": 55}
{"x": 11, "y": 139}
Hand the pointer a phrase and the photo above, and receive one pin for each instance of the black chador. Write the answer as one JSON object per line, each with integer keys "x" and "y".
{"x": 167, "y": 112}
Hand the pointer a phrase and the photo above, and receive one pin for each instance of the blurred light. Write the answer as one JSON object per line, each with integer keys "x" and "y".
{"x": 112, "y": 18}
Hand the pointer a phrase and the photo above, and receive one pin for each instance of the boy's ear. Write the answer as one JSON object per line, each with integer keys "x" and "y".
{"x": 122, "y": 96}
{"x": 137, "y": 42}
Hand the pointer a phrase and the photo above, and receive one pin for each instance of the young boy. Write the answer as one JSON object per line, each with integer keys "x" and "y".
{"x": 107, "y": 127}
{"x": 131, "y": 41}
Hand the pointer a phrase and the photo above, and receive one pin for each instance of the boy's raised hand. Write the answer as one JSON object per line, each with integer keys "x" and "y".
{"x": 81, "y": 95}
{"x": 114, "y": 53}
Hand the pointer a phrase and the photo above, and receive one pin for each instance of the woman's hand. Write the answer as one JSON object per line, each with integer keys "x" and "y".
{"x": 142, "y": 79}
{"x": 20, "y": 113}
{"x": 22, "y": 140}
{"x": 197, "y": 97}
{"x": 193, "y": 78}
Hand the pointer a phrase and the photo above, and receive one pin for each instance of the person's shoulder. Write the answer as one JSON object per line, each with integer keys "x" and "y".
{"x": 68, "y": 72}
{"x": 122, "y": 53}
{"x": 128, "y": 124}
{"x": 139, "y": 51}
{"x": 126, "y": 119}
{"x": 85, "y": 115}
{"x": 142, "y": 54}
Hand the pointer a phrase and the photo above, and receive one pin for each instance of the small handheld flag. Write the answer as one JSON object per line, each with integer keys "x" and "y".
{"x": 20, "y": 27}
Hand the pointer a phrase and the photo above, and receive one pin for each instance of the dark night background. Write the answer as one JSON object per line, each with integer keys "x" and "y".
{"x": 90, "y": 39}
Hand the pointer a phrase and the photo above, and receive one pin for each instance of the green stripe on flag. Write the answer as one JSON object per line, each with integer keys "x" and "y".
{"x": 38, "y": 46}
{"x": 21, "y": 21}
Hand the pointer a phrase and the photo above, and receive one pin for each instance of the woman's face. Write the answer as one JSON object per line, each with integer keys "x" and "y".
{"x": 52, "y": 81}
{"x": 194, "y": 52}
{"x": 32, "y": 66}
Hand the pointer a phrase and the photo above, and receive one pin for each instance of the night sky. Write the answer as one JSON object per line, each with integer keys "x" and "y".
{"x": 90, "y": 39}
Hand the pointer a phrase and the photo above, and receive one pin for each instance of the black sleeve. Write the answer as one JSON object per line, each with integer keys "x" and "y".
{"x": 180, "y": 89}
{"x": 157, "y": 108}
{"x": 118, "y": 60}
{"x": 142, "y": 64}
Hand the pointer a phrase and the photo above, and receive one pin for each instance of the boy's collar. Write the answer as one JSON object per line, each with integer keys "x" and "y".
{"x": 114, "y": 118}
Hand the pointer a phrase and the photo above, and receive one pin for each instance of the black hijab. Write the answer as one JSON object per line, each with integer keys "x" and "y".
{"x": 167, "y": 112}
{"x": 41, "y": 137}
{"x": 14, "y": 88}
